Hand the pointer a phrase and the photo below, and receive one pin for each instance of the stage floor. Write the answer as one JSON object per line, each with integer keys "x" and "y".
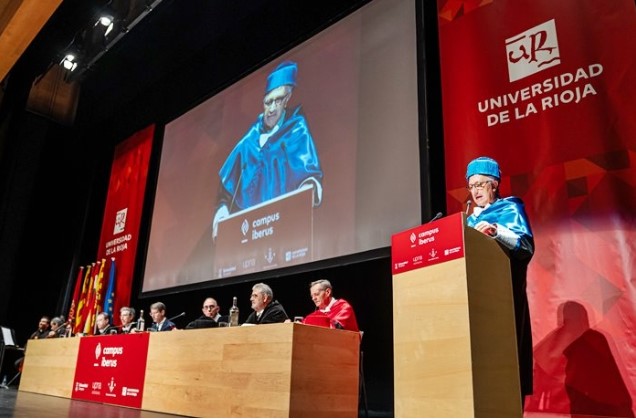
{"x": 14, "y": 404}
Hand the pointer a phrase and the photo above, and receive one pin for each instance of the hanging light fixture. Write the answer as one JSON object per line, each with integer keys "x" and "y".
{"x": 105, "y": 29}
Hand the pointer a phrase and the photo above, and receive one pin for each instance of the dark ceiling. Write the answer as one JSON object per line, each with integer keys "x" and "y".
{"x": 179, "y": 53}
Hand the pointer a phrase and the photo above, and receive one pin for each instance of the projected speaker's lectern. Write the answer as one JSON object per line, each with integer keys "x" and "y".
{"x": 453, "y": 324}
{"x": 274, "y": 234}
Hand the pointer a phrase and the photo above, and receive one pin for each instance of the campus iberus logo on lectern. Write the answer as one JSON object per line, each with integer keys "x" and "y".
{"x": 111, "y": 369}
{"x": 428, "y": 244}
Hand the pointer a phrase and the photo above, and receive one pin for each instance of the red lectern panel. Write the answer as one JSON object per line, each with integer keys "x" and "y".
{"x": 111, "y": 369}
{"x": 428, "y": 244}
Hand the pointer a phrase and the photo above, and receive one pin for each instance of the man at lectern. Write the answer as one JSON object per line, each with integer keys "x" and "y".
{"x": 127, "y": 319}
{"x": 266, "y": 309}
{"x": 159, "y": 321}
{"x": 277, "y": 154}
{"x": 102, "y": 323}
{"x": 44, "y": 326}
{"x": 505, "y": 220}
{"x": 335, "y": 313}
{"x": 210, "y": 317}
{"x": 58, "y": 328}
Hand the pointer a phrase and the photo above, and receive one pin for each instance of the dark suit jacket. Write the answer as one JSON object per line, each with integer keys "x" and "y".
{"x": 110, "y": 330}
{"x": 165, "y": 326}
{"x": 273, "y": 313}
{"x": 205, "y": 322}
{"x": 128, "y": 329}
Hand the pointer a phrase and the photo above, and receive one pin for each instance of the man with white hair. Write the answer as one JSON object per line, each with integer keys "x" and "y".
{"x": 275, "y": 156}
{"x": 505, "y": 220}
{"x": 266, "y": 309}
{"x": 332, "y": 312}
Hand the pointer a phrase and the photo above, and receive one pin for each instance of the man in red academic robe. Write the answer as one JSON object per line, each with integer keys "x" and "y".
{"x": 331, "y": 312}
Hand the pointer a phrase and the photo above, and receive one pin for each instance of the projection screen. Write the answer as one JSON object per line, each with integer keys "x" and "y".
{"x": 339, "y": 176}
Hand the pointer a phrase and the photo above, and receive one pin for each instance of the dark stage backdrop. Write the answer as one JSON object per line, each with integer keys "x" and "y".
{"x": 546, "y": 88}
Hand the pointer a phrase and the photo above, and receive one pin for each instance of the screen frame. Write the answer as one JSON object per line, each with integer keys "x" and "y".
{"x": 377, "y": 253}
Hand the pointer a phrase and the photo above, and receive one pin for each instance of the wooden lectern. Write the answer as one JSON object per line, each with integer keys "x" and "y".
{"x": 455, "y": 351}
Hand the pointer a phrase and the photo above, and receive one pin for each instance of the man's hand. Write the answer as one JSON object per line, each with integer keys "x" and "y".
{"x": 220, "y": 214}
{"x": 486, "y": 228}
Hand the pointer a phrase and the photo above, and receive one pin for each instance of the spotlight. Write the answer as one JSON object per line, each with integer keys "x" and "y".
{"x": 69, "y": 62}
{"x": 107, "y": 21}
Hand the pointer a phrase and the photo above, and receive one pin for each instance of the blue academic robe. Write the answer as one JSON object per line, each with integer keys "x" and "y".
{"x": 253, "y": 174}
{"x": 510, "y": 213}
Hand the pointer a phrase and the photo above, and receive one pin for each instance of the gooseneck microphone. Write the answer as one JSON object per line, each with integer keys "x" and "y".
{"x": 437, "y": 217}
{"x": 468, "y": 204}
{"x": 177, "y": 316}
{"x": 236, "y": 188}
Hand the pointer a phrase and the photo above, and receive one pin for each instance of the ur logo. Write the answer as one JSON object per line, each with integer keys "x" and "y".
{"x": 120, "y": 221}
{"x": 532, "y": 51}
{"x": 245, "y": 226}
{"x": 412, "y": 237}
{"x": 98, "y": 350}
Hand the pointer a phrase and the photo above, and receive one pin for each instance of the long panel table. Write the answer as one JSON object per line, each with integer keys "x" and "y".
{"x": 276, "y": 370}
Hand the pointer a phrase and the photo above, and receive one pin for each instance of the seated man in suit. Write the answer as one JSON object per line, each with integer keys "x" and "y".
{"x": 103, "y": 325}
{"x": 210, "y": 317}
{"x": 266, "y": 309}
{"x": 158, "y": 314}
{"x": 335, "y": 313}
{"x": 58, "y": 328}
{"x": 44, "y": 326}
{"x": 127, "y": 319}
{"x": 42, "y": 332}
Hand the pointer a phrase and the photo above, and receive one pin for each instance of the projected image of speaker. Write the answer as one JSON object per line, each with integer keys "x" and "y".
{"x": 308, "y": 160}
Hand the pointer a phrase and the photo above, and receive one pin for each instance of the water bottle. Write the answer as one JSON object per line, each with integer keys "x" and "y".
{"x": 234, "y": 313}
{"x": 141, "y": 323}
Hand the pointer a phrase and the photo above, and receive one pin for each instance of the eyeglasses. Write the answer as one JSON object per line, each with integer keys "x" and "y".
{"x": 209, "y": 307}
{"x": 275, "y": 100}
{"x": 478, "y": 185}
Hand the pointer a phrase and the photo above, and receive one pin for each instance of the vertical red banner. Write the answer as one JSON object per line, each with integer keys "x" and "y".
{"x": 547, "y": 88}
{"x": 124, "y": 205}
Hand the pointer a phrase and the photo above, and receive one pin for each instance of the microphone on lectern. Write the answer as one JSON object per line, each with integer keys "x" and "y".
{"x": 437, "y": 217}
{"x": 236, "y": 188}
{"x": 177, "y": 316}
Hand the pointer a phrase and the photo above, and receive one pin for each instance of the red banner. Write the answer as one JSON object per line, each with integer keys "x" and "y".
{"x": 111, "y": 369}
{"x": 547, "y": 88}
{"x": 428, "y": 244}
{"x": 122, "y": 214}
